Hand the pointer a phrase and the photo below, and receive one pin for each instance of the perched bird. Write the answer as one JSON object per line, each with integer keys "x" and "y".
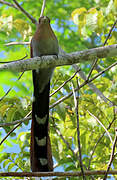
{"x": 44, "y": 42}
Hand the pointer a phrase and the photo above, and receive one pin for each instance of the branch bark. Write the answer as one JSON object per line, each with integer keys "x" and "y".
{"x": 48, "y": 174}
{"x": 68, "y": 59}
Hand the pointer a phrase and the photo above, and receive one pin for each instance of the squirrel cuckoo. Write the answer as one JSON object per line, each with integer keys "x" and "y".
{"x": 44, "y": 42}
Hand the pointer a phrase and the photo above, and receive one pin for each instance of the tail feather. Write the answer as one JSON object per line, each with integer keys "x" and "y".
{"x": 41, "y": 155}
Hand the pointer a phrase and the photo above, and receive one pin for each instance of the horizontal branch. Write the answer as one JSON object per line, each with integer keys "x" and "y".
{"x": 66, "y": 59}
{"x": 48, "y": 174}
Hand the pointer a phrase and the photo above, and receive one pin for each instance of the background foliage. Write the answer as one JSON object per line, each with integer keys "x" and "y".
{"x": 78, "y": 25}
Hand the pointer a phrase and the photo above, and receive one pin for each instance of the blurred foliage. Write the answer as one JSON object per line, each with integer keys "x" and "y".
{"x": 78, "y": 25}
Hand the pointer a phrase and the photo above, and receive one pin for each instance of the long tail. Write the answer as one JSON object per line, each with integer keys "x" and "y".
{"x": 41, "y": 155}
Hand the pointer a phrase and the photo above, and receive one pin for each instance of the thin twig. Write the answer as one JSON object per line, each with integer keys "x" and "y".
{"x": 14, "y": 60}
{"x": 9, "y": 133}
{"x": 43, "y": 7}
{"x": 25, "y": 12}
{"x": 17, "y": 79}
{"x": 83, "y": 84}
{"x": 64, "y": 140}
{"x": 113, "y": 26}
{"x": 19, "y": 168}
{"x": 92, "y": 68}
{"x": 114, "y": 118}
{"x": 101, "y": 125}
{"x": 15, "y": 122}
{"x": 17, "y": 43}
{"x": 64, "y": 83}
{"x": 76, "y": 102}
{"x": 95, "y": 61}
{"x": 67, "y": 144}
{"x": 8, "y": 4}
{"x": 93, "y": 87}
{"x": 11, "y": 88}
{"x": 111, "y": 156}
{"x": 12, "y": 130}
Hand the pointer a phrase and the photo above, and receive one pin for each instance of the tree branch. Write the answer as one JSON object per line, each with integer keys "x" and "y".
{"x": 111, "y": 156}
{"x": 13, "y": 129}
{"x": 59, "y": 174}
{"x": 25, "y": 12}
{"x": 113, "y": 26}
{"x": 114, "y": 118}
{"x": 64, "y": 140}
{"x": 8, "y": 4}
{"x": 15, "y": 122}
{"x": 83, "y": 84}
{"x": 65, "y": 82}
{"x": 95, "y": 61}
{"x": 68, "y": 59}
{"x": 43, "y": 7}
{"x": 76, "y": 104}
{"x": 101, "y": 125}
{"x": 17, "y": 43}
{"x": 92, "y": 86}
{"x": 18, "y": 7}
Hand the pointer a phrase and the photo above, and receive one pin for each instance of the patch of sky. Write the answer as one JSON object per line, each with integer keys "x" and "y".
{"x": 25, "y": 128}
{"x": 11, "y": 40}
{"x": 73, "y": 26}
{"x": 97, "y": 41}
{"x": 7, "y": 7}
{"x": 73, "y": 146}
{"x": 14, "y": 149}
{"x": 84, "y": 156}
{"x": 101, "y": 61}
{"x": 60, "y": 168}
{"x": 88, "y": 65}
{"x": 18, "y": 34}
{"x": 2, "y": 54}
{"x": 69, "y": 23}
{"x": 6, "y": 87}
{"x": 64, "y": 91}
{"x": 55, "y": 27}
{"x": 88, "y": 91}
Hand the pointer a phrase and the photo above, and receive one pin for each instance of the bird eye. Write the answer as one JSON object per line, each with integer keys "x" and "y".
{"x": 39, "y": 20}
{"x": 44, "y": 17}
{"x": 49, "y": 20}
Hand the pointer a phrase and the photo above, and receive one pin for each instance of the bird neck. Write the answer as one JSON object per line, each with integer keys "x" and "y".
{"x": 44, "y": 31}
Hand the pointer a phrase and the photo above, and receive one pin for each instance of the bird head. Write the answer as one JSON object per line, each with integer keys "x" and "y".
{"x": 44, "y": 20}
